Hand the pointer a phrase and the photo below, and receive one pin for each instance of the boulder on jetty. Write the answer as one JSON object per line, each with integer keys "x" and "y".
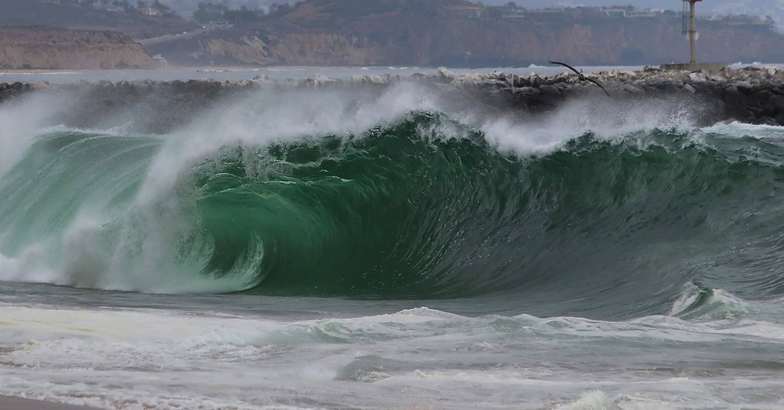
{"x": 750, "y": 94}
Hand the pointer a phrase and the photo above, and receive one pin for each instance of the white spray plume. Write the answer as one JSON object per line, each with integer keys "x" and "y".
{"x": 604, "y": 118}
{"x": 273, "y": 116}
{"x": 20, "y": 122}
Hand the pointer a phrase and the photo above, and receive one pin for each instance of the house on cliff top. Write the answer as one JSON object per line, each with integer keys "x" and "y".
{"x": 466, "y": 10}
{"x": 153, "y": 9}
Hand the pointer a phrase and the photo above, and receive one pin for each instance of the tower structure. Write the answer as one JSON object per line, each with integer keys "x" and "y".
{"x": 690, "y": 28}
{"x": 690, "y": 7}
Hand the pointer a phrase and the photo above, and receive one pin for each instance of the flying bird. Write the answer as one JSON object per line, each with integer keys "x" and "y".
{"x": 581, "y": 76}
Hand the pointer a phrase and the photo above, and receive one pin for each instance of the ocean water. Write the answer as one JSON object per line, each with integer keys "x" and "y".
{"x": 320, "y": 249}
{"x": 281, "y": 74}
{"x": 286, "y": 74}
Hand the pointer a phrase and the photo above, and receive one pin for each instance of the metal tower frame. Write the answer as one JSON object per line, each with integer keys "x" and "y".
{"x": 692, "y": 28}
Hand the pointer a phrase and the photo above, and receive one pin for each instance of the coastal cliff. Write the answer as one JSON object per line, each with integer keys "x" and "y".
{"x": 454, "y": 33}
{"x": 48, "y": 48}
{"x": 457, "y": 33}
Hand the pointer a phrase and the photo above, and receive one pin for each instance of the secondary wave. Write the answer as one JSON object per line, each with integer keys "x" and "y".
{"x": 424, "y": 207}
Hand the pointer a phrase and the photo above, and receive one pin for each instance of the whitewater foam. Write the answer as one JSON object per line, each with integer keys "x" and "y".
{"x": 134, "y": 358}
{"x": 743, "y": 130}
{"x": 593, "y": 400}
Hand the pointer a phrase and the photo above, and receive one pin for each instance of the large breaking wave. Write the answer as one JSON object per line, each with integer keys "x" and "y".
{"x": 421, "y": 206}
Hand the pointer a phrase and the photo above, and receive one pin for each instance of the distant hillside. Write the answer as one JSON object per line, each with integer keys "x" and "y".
{"x": 90, "y": 15}
{"x": 773, "y": 8}
{"x": 460, "y": 33}
{"x": 708, "y": 8}
{"x": 47, "y": 48}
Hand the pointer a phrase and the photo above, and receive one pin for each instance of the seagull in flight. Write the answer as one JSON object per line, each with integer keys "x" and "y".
{"x": 581, "y": 76}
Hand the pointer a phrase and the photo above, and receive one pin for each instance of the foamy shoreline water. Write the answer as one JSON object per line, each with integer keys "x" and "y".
{"x": 15, "y": 403}
{"x": 413, "y": 358}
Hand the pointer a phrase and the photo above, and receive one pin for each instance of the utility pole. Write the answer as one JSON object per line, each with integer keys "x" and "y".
{"x": 689, "y": 23}
{"x": 693, "y": 30}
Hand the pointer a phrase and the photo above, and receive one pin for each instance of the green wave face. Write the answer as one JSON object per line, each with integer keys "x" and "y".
{"x": 407, "y": 210}
{"x": 381, "y": 214}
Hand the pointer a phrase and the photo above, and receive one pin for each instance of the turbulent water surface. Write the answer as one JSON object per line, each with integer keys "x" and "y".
{"x": 319, "y": 249}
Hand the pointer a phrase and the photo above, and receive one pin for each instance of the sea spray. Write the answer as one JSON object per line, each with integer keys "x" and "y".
{"x": 404, "y": 195}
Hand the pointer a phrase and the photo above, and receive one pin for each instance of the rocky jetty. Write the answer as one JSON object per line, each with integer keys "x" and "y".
{"x": 752, "y": 94}
{"x": 11, "y": 90}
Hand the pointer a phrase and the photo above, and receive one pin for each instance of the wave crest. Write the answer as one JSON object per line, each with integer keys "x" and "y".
{"x": 425, "y": 207}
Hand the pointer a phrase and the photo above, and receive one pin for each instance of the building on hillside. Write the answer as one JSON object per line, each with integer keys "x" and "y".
{"x": 152, "y": 9}
{"x": 552, "y": 10}
{"x": 617, "y": 11}
{"x": 515, "y": 15}
{"x": 512, "y": 11}
{"x": 470, "y": 11}
{"x": 113, "y": 6}
{"x": 643, "y": 13}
